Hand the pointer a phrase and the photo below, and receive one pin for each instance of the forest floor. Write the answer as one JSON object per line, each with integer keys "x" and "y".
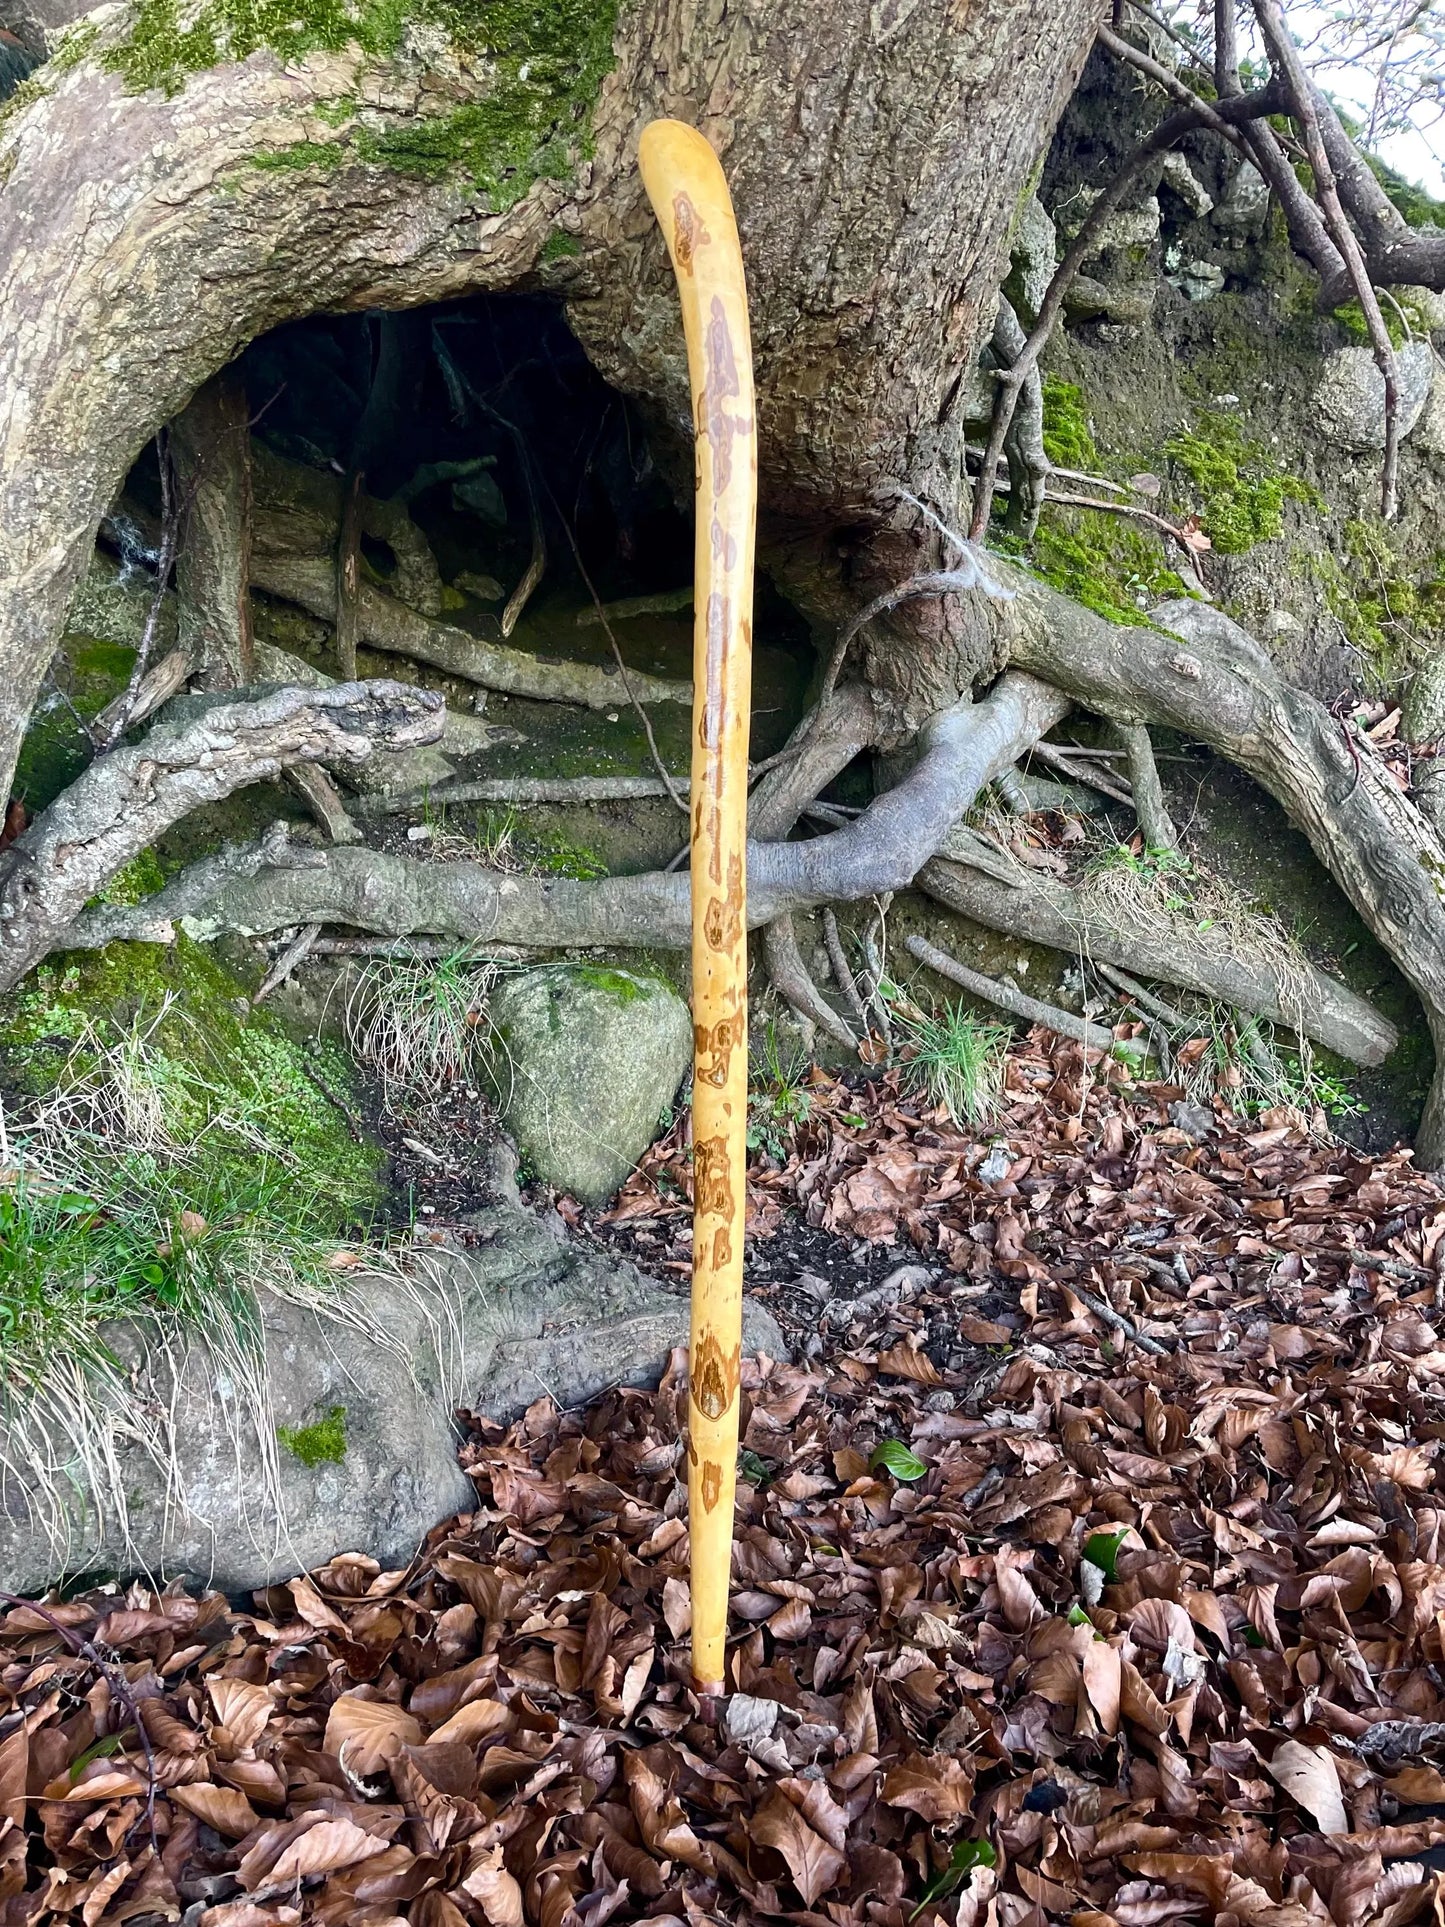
{"x": 1089, "y": 1567}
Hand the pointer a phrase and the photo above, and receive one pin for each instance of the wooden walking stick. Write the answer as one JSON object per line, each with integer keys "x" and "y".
{"x": 690, "y": 199}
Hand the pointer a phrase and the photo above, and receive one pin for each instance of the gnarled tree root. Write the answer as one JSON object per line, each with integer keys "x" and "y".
{"x": 125, "y": 800}
{"x": 1042, "y": 911}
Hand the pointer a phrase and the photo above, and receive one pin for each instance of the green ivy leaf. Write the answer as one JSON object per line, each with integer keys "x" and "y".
{"x": 966, "y": 1855}
{"x": 894, "y": 1456}
{"x": 753, "y": 1469}
{"x": 1101, "y": 1549}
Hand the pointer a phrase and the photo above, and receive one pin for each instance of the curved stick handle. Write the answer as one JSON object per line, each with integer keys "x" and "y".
{"x": 690, "y": 199}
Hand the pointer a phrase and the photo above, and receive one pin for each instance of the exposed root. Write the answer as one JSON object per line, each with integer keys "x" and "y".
{"x": 1110, "y": 923}
{"x": 1030, "y": 1010}
{"x": 790, "y": 977}
{"x": 1156, "y": 826}
{"x": 123, "y": 802}
{"x": 386, "y": 624}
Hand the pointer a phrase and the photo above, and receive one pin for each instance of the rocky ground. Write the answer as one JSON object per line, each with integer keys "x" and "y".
{"x": 1088, "y": 1568}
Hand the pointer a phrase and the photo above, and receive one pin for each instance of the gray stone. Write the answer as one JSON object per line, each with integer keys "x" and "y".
{"x": 221, "y": 1495}
{"x": 997, "y": 1165}
{"x": 1179, "y": 176}
{"x": 1428, "y": 435}
{"x": 587, "y": 1060}
{"x": 1198, "y": 280}
{"x": 1349, "y": 400}
{"x": 1243, "y": 208}
{"x": 1127, "y": 228}
{"x": 1035, "y": 254}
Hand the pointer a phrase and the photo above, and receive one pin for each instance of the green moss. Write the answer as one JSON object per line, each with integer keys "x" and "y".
{"x": 1351, "y": 317}
{"x": 559, "y": 245}
{"x": 1242, "y": 491}
{"x": 546, "y": 58}
{"x": 301, "y": 155}
{"x": 216, "y": 1070}
{"x": 558, "y": 856}
{"x": 1390, "y": 615}
{"x": 55, "y": 749}
{"x": 620, "y": 984}
{"x": 1068, "y": 433}
{"x": 323, "y": 1443}
{"x": 1101, "y": 561}
{"x": 140, "y": 878}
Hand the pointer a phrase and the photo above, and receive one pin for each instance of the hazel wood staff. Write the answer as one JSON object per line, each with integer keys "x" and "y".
{"x": 689, "y": 196}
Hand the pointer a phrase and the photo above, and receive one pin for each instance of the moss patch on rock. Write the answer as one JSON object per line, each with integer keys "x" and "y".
{"x": 323, "y": 1443}
{"x": 1242, "y": 491}
{"x": 217, "y": 1074}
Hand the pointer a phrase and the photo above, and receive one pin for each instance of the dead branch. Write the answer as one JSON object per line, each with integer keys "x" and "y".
{"x": 289, "y": 962}
{"x": 1156, "y": 826}
{"x": 1285, "y": 58}
{"x": 1017, "y": 1003}
{"x": 386, "y": 624}
{"x": 522, "y": 792}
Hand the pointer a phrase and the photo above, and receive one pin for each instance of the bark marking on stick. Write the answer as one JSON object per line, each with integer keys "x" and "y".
{"x": 715, "y": 1042}
{"x": 688, "y": 233}
{"x": 712, "y": 1185}
{"x": 711, "y": 1484}
{"x": 715, "y": 1377}
{"x": 722, "y": 385}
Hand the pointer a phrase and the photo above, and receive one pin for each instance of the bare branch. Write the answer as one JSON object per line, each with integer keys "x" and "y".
{"x": 1285, "y": 58}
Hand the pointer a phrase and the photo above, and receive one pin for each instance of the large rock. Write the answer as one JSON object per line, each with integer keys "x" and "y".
{"x": 1349, "y": 400}
{"x": 588, "y": 1060}
{"x": 343, "y": 1439}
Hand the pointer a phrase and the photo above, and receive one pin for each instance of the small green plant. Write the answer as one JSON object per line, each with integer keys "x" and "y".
{"x": 420, "y": 1024}
{"x": 893, "y": 1456}
{"x": 957, "y": 1059}
{"x": 779, "y": 1100}
{"x": 965, "y": 1856}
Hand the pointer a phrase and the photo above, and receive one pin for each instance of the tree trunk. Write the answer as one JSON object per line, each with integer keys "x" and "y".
{"x": 211, "y": 448}
{"x": 876, "y": 150}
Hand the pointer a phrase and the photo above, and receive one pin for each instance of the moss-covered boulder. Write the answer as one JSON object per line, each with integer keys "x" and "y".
{"x": 586, "y": 1062}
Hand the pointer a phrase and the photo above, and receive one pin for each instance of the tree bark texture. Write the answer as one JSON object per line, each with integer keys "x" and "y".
{"x": 876, "y": 151}
{"x": 210, "y": 445}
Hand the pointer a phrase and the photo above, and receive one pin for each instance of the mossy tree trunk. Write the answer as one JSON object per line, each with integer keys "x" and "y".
{"x": 153, "y": 220}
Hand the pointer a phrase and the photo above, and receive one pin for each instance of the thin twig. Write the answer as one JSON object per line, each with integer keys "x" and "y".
{"x": 842, "y": 975}
{"x": 290, "y": 960}
{"x": 1126, "y": 1326}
